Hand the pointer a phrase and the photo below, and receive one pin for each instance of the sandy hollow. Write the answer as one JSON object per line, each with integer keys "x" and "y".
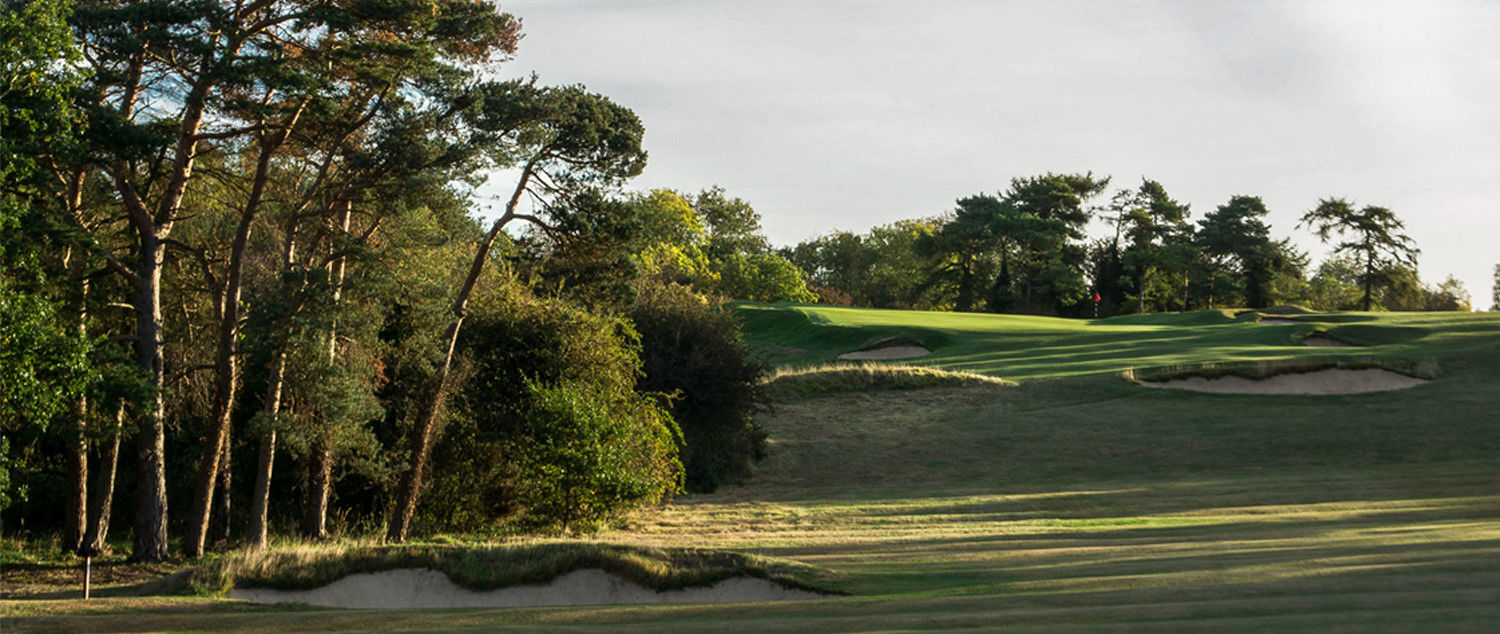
{"x": 423, "y": 588}
{"x": 1325, "y": 340}
{"x": 1329, "y": 381}
{"x": 888, "y": 352}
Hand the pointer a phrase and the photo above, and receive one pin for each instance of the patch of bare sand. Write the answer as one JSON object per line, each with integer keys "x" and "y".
{"x": 423, "y": 588}
{"x": 889, "y": 348}
{"x": 893, "y": 352}
{"x": 1329, "y": 381}
{"x": 1325, "y": 340}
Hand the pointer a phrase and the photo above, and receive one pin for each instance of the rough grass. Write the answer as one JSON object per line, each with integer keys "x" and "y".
{"x": 810, "y": 381}
{"x": 487, "y": 567}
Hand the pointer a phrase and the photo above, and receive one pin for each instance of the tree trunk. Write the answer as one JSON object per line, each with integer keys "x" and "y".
{"x": 320, "y": 467}
{"x": 75, "y": 511}
{"x": 424, "y": 428}
{"x": 97, "y": 536}
{"x": 226, "y": 363}
{"x": 1140, "y": 298}
{"x": 220, "y": 525}
{"x": 260, "y": 498}
{"x": 151, "y": 495}
{"x": 151, "y": 230}
{"x": 315, "y": 509}
{"x": 1367, "y": 301}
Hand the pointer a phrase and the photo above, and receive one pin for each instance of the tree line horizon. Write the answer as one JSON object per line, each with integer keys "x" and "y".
{"x": 1024, "y": 250}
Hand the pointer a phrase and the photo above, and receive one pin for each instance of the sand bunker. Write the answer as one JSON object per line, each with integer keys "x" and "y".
{"x": 1325, "y": 340}
{"x": 1277, "y": 321}
{"x": 892, "y": 348}
{"x": 423, "y": 588}
{"x": 1329, "y": 381}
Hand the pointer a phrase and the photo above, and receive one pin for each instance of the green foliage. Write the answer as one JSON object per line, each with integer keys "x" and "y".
{"x": 733, "y": 225}
{"x": 38, "y": 69}
{"x": 762, "y": 277}
{"x": 1373, "y": 235}
{"x": 584, "y": 455}
{"x": 692, "y": 351}
{"x": 548, "y": 430}
{"x": 43, "y": 368}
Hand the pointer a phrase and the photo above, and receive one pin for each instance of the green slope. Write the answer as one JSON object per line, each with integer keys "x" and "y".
{"x": 1027, "y": 347}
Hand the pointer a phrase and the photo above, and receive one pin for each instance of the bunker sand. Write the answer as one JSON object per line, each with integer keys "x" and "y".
{"x": 886, "y": 349}
{"x": 1329, "y": 381}
{"x": 423, "y": 588}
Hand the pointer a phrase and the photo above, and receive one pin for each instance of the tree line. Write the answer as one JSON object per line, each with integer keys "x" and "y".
{"x": 243, "y": 281}
{"x": 1025, "y": 250}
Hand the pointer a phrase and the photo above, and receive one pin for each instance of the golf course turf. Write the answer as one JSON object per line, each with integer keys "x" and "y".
{"x": 1066, "y": 497}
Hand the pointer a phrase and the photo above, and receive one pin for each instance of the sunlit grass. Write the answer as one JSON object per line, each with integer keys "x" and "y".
{"x": 1075, "y": 500}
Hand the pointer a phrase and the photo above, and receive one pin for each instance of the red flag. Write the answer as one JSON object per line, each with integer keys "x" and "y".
{"x": 1096, "y": 297}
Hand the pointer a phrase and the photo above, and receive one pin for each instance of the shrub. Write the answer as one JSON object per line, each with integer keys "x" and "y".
{"x": 691, "y": 350}
{"x": 548, "y": 409}
{"x": 585, "y": 455}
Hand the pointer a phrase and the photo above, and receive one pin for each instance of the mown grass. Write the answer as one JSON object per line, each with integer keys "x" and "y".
{"x": 1023, "y": 348}
{"x": 1073, "y": 501}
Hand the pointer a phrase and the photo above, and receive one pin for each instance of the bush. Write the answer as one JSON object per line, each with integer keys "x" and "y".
{"x": 547, "y": 429}
{"x": 692, "y": 351}
{"x": 584, "y": 455}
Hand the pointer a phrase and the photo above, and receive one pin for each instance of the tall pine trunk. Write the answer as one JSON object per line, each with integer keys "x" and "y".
{"x": 315, "y": 507}
{"x": 256, "y": 535}
{"x": 75, "y": 510}
{"x": 219, "y": 527}
{"x": 320, "y": 460}
{"x": 226, "y": 363}
{"x": 151, "y": 483}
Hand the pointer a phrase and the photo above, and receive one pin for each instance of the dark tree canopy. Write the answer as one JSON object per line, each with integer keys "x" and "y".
{"x": 1373, "y": 235}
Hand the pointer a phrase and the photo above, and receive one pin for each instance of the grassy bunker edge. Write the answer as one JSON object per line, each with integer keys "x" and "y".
{"x": 1426, "y": 369}
{"x": 801, "y": 382}
{"x": 308, "y": 566}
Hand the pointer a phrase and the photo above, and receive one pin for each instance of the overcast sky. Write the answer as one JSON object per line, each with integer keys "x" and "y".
{"x": 846, "y": 115}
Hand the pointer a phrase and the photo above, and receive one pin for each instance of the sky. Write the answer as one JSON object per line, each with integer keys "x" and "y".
{"x": 845, "y": 115}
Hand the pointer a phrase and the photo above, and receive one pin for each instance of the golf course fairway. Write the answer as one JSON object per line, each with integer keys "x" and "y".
{"x": 1066, "y": 498}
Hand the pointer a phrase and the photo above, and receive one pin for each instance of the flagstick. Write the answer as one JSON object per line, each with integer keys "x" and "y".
{"x": 88, "y": 568}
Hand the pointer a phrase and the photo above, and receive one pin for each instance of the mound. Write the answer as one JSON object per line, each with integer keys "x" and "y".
{"x": 1327, "y": 381}
{"x": 796, "y": 383}
{"x": 888, "y": 348}
{"x": 423, "y": 588}
{"x": 1275, "y": 321}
